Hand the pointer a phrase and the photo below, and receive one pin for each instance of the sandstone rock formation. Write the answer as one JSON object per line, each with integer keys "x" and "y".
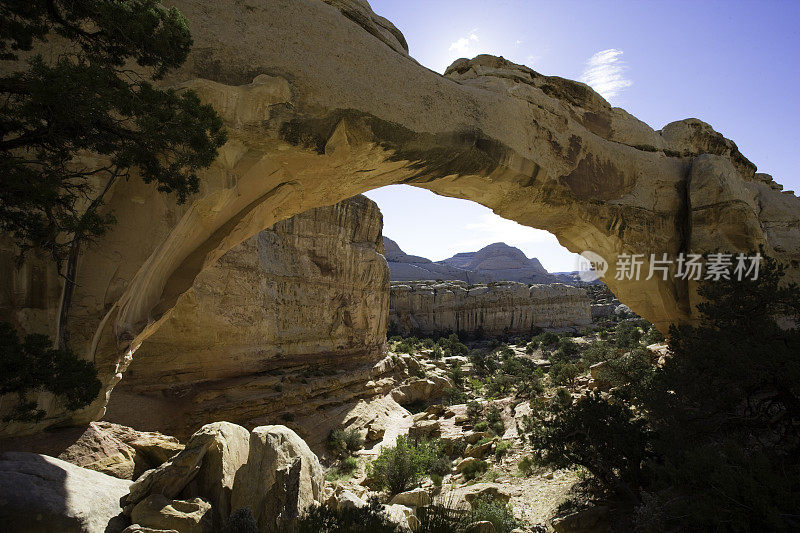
{"x": 43, "y": 494}
{"x": 501, "y": 262}
{"x": 494, "y": 309}
{"x": 308, "y": 294}
{"x": 495, "y": 262}
{"x": 322, "y": 101}
{"x": 270, "y": 470}
{"x": 120, "y": 451}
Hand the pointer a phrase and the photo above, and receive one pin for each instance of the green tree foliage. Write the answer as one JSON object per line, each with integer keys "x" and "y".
{"x": 607, "y": 438}
{"x": 97, "y": 98}
{"x": 402, "y": 466}
{"x": 713, "y": 434}
{"x": 344, "y": 441}
{"x": 33, "y": 365}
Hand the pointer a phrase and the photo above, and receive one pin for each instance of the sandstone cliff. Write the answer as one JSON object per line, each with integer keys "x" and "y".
{"x": 321, "y": 102}
{"x": 308, "y": 295}
{"x": 496, "y": 308}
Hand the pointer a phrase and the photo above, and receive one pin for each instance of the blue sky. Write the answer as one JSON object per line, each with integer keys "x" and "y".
{"x": 735, "y": 65}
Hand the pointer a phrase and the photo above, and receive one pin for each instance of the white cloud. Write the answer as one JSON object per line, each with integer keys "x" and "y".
{"x": 518, "y": 42}
{"x": 605, "y": 73}
{"x": 464, "y": 44}
{"x": 493, "y": 228}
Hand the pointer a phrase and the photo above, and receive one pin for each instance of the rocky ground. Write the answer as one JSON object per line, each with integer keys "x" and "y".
{"x": 470, "y": 405}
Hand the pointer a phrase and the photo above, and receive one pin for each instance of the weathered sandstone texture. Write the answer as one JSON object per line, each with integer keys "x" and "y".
{"x": 494, "y": 309}
{"x": 309, "y": 294}
{"x": 270, "y": 470}
{"x": 322, "y": 102}
{"x": 39, "y": 493}
{"x": 496, "y": 262}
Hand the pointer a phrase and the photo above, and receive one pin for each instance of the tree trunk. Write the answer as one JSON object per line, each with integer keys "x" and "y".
{"x": 66, "y": 296}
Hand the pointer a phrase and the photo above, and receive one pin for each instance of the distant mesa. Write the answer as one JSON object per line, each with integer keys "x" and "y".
{"x": 495, "y": 262}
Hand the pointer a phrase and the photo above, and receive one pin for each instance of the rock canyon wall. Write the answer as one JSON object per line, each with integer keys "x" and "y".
{"x": 322, "y": 101}
{"x": 495, "y": 308}
{"x": 307, "y": 297}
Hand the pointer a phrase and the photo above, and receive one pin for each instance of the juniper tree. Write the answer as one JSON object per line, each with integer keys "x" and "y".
{"x": 96, "y": 98}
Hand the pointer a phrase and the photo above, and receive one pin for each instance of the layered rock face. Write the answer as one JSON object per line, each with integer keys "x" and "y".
{"x": 495, "y": 309}
{"x": 495, "y": 262}
{"x": 309, "y": 293}
{"x": 307, "y": 128}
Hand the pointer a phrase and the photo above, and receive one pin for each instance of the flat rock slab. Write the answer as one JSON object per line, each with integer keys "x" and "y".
{"x": 43, "y": 494}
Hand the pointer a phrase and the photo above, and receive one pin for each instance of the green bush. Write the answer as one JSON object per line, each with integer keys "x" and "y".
{"x": 342, "y": 441}
{"x": 241, "y": 521}
{"x": 495, "y": 420}
{"x": 349, "y": 465}
{"x": 526, "y": 465}
{"x": 481, "y": 426}
{"x": 564, "y": 373}
{"x": 474, "y": 469}
{"x": 627, "y": 335}
{"x": 474, "y": 410}
{"x": 608, "y": 439}
{"x": 501, "y": 449}
{"x": 499, "y": 514}
{"x": 547, "y": 339}
{"x": 402, "y": 466}
{"x": 33, "y": 365}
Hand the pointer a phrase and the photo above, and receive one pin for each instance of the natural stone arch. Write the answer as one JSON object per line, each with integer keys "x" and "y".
{"x": 318, "y": 110}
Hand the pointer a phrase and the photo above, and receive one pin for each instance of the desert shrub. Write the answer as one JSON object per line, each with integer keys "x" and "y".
{"x": 500, "y": 384}
{"x": 474, "y": 469}
{"x": 531, "y": 347}
{"x": 368, "y": 519}
{"x": 342, "y": 441}
{"x": 630, "y": 373}
{"x": 398, "y": 468}
{"x": 606, "y": 438}
{"x": 562, "y": 373}
{"x": 481, "y": 426}
{"x": 446, "y": 514}
{"x": 437, "y": 353}
{"x": 597, "y": 352}
{"x": 348, "y": 465}
{"x": 652, "y": 336}
{"x": 526, "y": 465}
{"x": 495, "y": 419}
{"x": 453, "y": 346}
{"x": 402, "y": 466}
{"x": 501, "y": 449}
{"x": 457, "y": 375}
{"x": 627, "y": 335}
{"x": 547, "y": 339}
{"x": 568, "y": 350}
{"x": 33, "y": 364}
{"x": 455, "y": 396}
{"x": 476, "y": 384}
{"x": 241, "y": 521}
{"x": 506, "y": 352}
{"x": 474, "y": 410}
{"x": 499, "y": 514}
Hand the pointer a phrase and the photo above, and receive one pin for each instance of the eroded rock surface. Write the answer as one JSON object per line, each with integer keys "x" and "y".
{"x": 322, "y": 102}
{"x": 43, "y": 494}
{"x": 308, "y": 294}
{"x": 495, "y": 308}
{"x": 495, "y": 262}
{"x": 270, "y": 470}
